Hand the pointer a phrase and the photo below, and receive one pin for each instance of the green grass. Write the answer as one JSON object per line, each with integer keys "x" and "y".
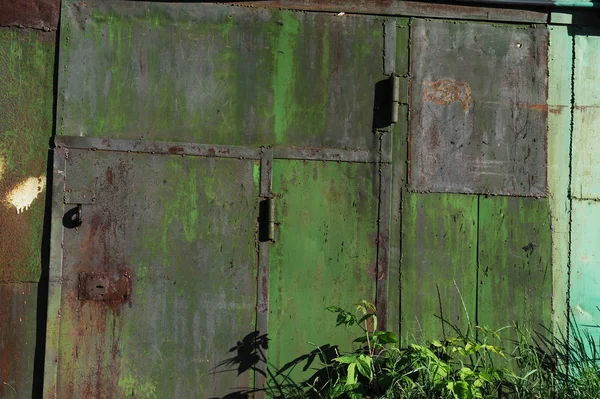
{"x": 470, "y": 365}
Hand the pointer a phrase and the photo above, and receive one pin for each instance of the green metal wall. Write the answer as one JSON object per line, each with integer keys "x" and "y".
{"x": 469, "y": 251}
{"x": 26, "y": 104}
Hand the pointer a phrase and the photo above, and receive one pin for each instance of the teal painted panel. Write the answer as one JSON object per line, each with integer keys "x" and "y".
{"x": 218, "y": 74}
{"x": 560, "y": 62}
{"x": 585, "y": 264}
{"x": 586, "y": 118}
{"x": 515, "y": 265}
{"x": 439, "y": 264}
{"x": 325, "y": 253}
{"x": 182, "y": 230}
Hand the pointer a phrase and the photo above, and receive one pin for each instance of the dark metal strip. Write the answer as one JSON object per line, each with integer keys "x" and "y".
{"x": 325, "y": 154}
{"x": 216, "y": 151}
{"x": 383, "y": 237}
{"x": 266, "y": 168}
{"x": 55, "y": 274}
{"x": 406, "y": 9}
{"x": 156, "y": 147}
{"x": 264, "y": 250}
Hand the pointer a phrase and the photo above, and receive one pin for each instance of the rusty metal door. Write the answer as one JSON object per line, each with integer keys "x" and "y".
{"x": 158, "y": 262}
{"x": 158, "y": 276}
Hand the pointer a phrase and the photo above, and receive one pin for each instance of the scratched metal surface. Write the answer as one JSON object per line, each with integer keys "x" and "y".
{"x": 182, "y": 229}
{"x": 479, "y": 108}
{"x": 217, "y": 74}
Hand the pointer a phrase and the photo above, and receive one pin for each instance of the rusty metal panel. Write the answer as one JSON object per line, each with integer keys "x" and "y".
{"x": 158, "y": 281}
{"x": 26, "y": 99}
{"x": 439, "y": 264}
{"x": 515, "y": 265}
{"x": 37, "y": 14}
{"x": 586, "y": 116}
{"x": 407, "y": 8}
{"x": 209, "y": 73}
{"x": 18, "y": 325}
{"x": 325, "y": 252}
{"x": 479, "y": 108}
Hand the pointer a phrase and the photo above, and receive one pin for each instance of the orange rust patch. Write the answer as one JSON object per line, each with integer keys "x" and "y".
{"x": 448, "y": 91}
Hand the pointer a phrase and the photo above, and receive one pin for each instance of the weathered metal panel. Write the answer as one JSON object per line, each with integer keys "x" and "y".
{"x": 26, "y": 100}
{"x": 18, "y": 327}
{"x": 439, "y": 264}
{"x": 218, "y": 74}
{"x": 479, "y": 111}
{"x": 586, "y": 117}
{"x": 37, "y": 14}
{"x": 325, "y": 253}
{"x": 176, "y": 238}
{"x": 560, "y": 66}
{"x": 407, "y": 8}
{"x": 398, "y": 183}
{"x": 515, "y": 269}
{"x": 585, "y": 262}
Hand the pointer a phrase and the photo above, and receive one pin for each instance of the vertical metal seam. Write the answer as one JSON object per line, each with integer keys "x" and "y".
{"x": 383, "y": 223}
{"x": 53, "y": 322}
{"x": 264, "y": 249}
{"x": 477, "y": 266}
{"x": 570, "y": 197}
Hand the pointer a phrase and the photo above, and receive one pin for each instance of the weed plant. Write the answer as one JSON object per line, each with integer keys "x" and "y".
{"x": 471, "y": 365}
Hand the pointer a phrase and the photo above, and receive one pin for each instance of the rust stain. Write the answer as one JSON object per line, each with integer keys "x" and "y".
{"x": 94, "y": 311}
{"x": 448, "y": 91}
{"x": 176, "y": 149}
{"x": 109, "y": 175}
{"x": 37, "y": 14}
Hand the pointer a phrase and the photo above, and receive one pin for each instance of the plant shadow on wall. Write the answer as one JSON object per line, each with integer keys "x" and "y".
{"x": 467, "y": 366}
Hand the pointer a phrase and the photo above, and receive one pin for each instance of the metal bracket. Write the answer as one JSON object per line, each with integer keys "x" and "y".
{"x": 106, "y": 287}
{"x": 400, "y": 93}
{"x": 79, "y": 197}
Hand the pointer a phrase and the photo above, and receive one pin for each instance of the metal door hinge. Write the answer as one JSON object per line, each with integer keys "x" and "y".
{"x": 267, "y": 220}
{"x": 400, "y": 92}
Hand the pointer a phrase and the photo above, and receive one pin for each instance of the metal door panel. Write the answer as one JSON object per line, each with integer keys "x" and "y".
{"x": 325, "y": 253}
{"x": 212, "y": 73}
{"x": 171, "y": 240}
{"x": 479, "y": 108}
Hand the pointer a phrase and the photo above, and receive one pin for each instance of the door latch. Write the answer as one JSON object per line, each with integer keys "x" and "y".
{"x": 266, "y": 220}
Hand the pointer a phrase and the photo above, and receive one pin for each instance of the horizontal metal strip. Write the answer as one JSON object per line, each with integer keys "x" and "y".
{"x": 217, "y": 151}
{"x": 156, "y": 147}
{"x": 411, "y": 9}
{"x": 485, "y": 194}
{"x": 325, "y": 154}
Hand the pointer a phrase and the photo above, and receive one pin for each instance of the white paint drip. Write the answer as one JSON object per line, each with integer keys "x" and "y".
{"x": 23, "y": 195}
